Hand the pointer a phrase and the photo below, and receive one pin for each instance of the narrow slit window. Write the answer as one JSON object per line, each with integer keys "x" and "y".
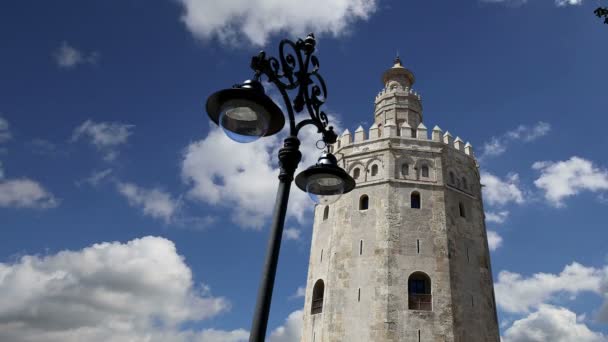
{"x": 418, "y": 246}
{"x": 418, "y": 335}
{"x": 461, "y": 210}
{"x": 464, "y": 183}
{"x": 321, "y": 255}
{"x": 468, "y": 260}
{"x": 325, "y": 213}
{"x": 360, "y": 247}
{"x": 415, "y": 200}
{"x": 452, "y": 178}
{"x": 363, "y": 202}
{"x": 374, "y": 170}
{"x": 359, "y": 295}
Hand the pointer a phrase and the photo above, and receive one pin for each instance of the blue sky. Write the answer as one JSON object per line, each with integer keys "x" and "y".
{"x": 121, "y": 205}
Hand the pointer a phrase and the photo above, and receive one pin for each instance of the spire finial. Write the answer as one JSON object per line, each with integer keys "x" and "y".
{"x": 398, "y": 60}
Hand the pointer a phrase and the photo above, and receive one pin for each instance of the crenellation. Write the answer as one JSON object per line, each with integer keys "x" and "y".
{"x": 422, "y": 133}
{"x": 390, "y": 128}
{"x": 406, "y": 130}
{"x": 468, "y": 149}
{"x": 345, "y": 138}
{"x": 437, "y": 133}
{"x": 359, "y": 134}
{"x": 448, "y": 139}
{"x": 374, "y": 132}
{"x": 458, "y": 144}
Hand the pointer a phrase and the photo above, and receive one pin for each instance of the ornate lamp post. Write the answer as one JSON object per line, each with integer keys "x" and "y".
{"x": 602, "y": 12}
{"x": 246, "y": 113}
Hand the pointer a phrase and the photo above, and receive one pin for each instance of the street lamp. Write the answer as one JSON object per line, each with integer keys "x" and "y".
{"x": 246, "y": 114}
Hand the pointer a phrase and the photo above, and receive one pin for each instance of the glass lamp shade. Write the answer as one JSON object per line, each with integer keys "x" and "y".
{"x": 325, "y": 181}
{"x": 245, "y": 113}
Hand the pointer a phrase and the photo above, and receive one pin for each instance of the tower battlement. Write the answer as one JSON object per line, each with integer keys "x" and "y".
{"x": 374, "y": 133}
{"x": 398, "y": 90}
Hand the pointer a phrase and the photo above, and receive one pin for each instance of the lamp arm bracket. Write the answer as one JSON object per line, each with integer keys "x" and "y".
{"x": 296, "y": 69}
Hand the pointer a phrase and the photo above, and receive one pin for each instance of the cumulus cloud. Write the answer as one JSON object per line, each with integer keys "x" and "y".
{"x": 498, "y": 191}
{"x": 67, "y": 56}
{"x": 243, "y": 177}
{"x": 25, "y": 193}
{"x": 155, "y": 203}
{"x": 256, "y": 20}
{"x": 498, "y": 145}
{"x": 551, "y": 323}
{"x": 563, "y": 179}
{"x": 518, "y": 294}
{"x": 106, "y": 136}
{"x": 5, "y": 133}
{"x": 497, "y": 216}
{"x": 136, "y": 291}
{"x": 494, "y": 240}
{"x": 292, "y": 234}
{"x": 291, "y": 331}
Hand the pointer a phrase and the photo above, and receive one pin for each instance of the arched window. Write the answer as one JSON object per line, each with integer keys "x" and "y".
{"x": 363, "y": 202}
{"x": 317, "y": 297}
{"x": 425, "y": 171}
{"x": 419, "y": 292}
{"x": 374, "y": 170}
{"x": 325, "y": 213}
{"x": 379, "y": 130}
{"x": 415, "y": 200}
{"x": 452, "y": 179}
{"x": 356, "y": 173}
{"x": 461, "y": 210}
{"x": 464, "y": 183}
{"x": 405, "y": 169}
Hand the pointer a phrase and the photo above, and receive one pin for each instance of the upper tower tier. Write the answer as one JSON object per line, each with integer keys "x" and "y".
{"x": 397, "y": 102}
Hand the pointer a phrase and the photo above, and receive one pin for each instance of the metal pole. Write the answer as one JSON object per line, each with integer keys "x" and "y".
{"x": 289, "y": 157}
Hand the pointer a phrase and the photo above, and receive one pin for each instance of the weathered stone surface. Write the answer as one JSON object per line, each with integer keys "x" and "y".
{"x": 365, "y": 257}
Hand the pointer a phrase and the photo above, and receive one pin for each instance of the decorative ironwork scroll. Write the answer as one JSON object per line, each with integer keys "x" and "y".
{"x": 297, "y": 70}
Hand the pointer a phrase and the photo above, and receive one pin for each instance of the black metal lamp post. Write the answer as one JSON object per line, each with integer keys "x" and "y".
{"x": 246, "y": 114}
{"x": 602, "y": 12}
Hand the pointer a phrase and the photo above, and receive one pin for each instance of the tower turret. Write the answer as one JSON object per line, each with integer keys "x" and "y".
{"x": 398, "y": 101}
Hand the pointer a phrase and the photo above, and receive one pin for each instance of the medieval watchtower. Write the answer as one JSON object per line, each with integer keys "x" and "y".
{"x": 404, "y": 256}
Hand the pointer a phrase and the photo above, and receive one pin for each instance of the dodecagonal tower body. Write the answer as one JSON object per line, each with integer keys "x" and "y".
{"x": 404, "y": 256}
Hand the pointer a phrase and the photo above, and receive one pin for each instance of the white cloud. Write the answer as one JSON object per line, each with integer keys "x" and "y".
{"x": 291, "y": 331}
{"x": 498, "y": 145}
{"x": 136, "y": 291}
{"x": 300, "y": 293}
{"x": 153, "y": 202}
{"x": 25, "y": 193}
{"x": 567, "y": 178}
{"x": 292, "y": 234}
{"x": 244, "y": 177}
{"x": 67, "y": 56}
{"x": 256, "y": 20}
{"x": 96, "y": 177}
{"x": 106, "y": 136}
{"x": 497, "y": 191}
{"x": 494, "y": 240}
{"x": 518, "y": 294}
{"x": 561, "y": 3}
{"x": 551, "y": 323}
{"x": 5, "y": 133}
{"x": 497, "y": 216}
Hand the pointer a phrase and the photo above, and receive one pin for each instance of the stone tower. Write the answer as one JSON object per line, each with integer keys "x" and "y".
{"x": 404, "y": 256}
